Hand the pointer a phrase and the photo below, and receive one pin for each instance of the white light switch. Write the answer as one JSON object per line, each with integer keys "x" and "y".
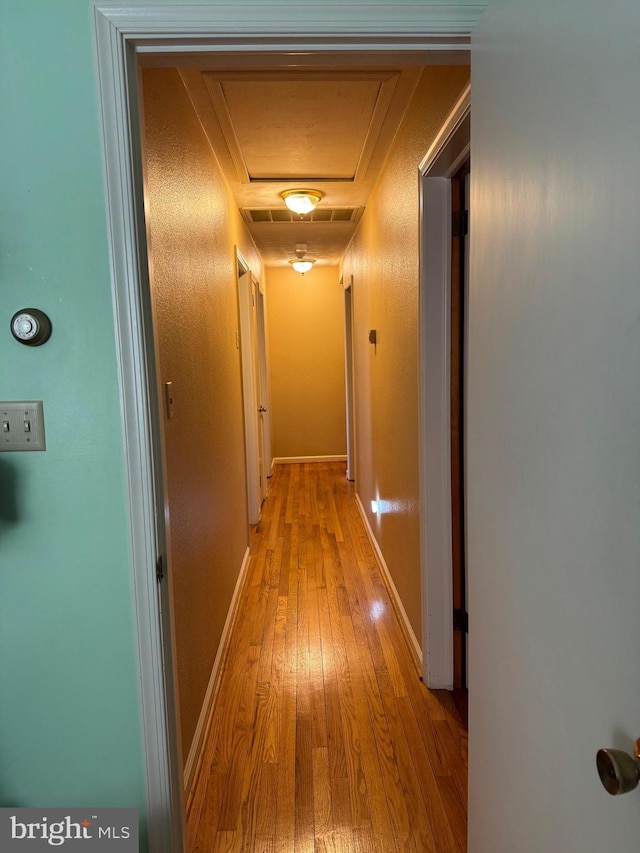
{"x": 22, "y": 426}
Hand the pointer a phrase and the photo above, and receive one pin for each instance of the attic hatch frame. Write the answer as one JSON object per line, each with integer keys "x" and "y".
{"x": 124, "y": 33}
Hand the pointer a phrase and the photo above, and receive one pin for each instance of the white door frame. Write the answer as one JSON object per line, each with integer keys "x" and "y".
{"x": 445, "y": 156}
{"x": 348, "y": 377}
{"x": 264, "y": 379}
{"x": 124, "y": 32}
{"x": 258, "y": 346}
{"x": 249, "y": 393}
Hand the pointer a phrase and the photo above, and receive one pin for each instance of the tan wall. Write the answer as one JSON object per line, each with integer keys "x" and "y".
{"x": 193, "y": 228}
{"x": 305, "y": 316}
{"x": 383, "y": 260}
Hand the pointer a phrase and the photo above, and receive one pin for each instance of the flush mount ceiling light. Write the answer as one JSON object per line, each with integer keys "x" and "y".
{"x": 301, "y": 201}
{"x": 301, "y": 263}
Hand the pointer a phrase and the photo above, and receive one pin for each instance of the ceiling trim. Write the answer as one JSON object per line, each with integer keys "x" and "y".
{"x": 296, "y": 75}
{"x": 216, "y": 93}
{"x": 417, "y": 23}
{"x": 383, "y": 101}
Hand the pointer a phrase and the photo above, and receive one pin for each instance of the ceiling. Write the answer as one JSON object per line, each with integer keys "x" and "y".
{"x": 321, "y": 127}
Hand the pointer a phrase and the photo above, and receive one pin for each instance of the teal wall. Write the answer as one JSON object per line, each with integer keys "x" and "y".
{"x": 69, "y": 705}
{"x": 70, "y": 730}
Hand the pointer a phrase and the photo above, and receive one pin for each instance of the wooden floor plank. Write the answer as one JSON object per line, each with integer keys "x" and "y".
{"x": 335, "y": 735}
{"x": 322, "y": 808}
{"x": 240, "y": 747}
{"x": 322, "y": 738}
{"x": 454, "y": 808}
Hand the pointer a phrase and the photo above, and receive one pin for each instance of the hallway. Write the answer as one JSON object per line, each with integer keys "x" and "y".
{"x": 322, "y": 737}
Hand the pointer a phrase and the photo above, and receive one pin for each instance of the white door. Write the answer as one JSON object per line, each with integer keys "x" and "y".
{"x": 348, "y": 381}
{"x": 249, "y": 393}
{"x": 258, "y": 347}
{"x": 554, "y": 424}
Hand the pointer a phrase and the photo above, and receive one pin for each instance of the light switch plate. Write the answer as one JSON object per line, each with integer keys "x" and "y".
{"x": 22, "y": 426}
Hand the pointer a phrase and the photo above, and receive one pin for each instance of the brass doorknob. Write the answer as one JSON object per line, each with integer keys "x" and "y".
{"x": 619, "y": 772}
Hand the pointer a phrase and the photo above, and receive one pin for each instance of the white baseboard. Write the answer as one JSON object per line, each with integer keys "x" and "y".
{"x": 192, "y": 763}
{"x": 292, "y": 460}
{"x": 397, "y": 601}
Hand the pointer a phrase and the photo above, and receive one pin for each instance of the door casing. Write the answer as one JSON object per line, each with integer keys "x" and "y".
{"x": 260, "y": 374}
{"x": 126, "y": 33}
{"x": 249, "y": 389}
{"x": 446, "y": 154}
{"x": 348, "y": 380}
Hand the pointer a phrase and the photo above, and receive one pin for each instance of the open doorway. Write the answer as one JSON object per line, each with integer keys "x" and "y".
{"x": 460, "y": 183}
{"x": 125, "y": 195}
{"x": 349, "y": 390}
{"x": 441, "y": 370}
{"x": 253, "y": 354}
{"x": 262, "y": 374}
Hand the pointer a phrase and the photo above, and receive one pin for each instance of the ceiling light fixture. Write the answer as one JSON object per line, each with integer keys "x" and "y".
{"x": 301, "y": 201}
{"x": 301, "y": 263}
{"x": 302, "y": 266}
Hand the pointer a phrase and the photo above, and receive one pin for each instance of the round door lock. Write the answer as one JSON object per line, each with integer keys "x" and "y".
{"x": 31, "y": 327}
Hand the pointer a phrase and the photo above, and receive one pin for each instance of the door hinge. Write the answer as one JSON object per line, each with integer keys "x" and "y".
{"x": 461, "y": 621}
{"x": 160, "y": 568}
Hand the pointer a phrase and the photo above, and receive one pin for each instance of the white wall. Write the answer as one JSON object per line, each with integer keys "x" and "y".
{"x": 554, "y": 423}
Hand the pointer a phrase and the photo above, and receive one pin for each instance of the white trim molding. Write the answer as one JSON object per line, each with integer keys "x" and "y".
{"x": 126, "y": 34}
{"x": 436, "y": 26}
{"x": 445, "y": 156}
{"x": 117, "y": 86}
{"x": 249, "y": 395}
{"x": 412, "y": 640}
{"x": 194, "y": 759}
{"x": 294, "y": 460}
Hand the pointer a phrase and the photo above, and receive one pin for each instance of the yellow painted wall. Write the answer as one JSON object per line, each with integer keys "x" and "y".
{"x": 305, "y": 317}
{"x": 193, "y": 227}
{"x": 383, "y": 259}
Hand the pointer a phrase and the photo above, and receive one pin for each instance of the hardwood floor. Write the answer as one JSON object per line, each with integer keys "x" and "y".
{"x": 323, "y": 738}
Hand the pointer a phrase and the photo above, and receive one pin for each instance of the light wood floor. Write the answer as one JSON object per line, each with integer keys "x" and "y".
{"x": 323, "y": 738}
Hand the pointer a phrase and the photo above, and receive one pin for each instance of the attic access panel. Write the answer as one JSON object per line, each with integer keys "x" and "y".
{"x": 311, "y": 125}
